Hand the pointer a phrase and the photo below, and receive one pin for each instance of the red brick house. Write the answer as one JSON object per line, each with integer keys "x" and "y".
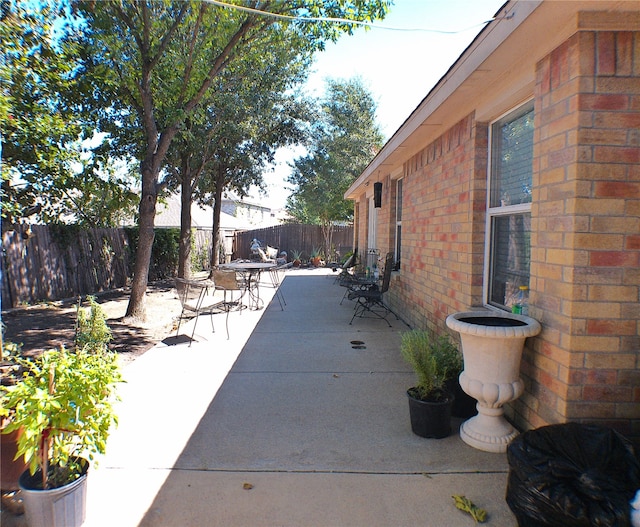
{"x": 522, "y": 167}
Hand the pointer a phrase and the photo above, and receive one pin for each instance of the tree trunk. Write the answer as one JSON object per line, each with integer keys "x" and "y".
{"x": 184, "y": 249}
{"x": 217, "y": 208}
{"x": 327, "y": 233}
{"x": 147, "y": 213}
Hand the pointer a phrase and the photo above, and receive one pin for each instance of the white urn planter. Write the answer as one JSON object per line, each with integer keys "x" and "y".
{"x": 492, "y": 344}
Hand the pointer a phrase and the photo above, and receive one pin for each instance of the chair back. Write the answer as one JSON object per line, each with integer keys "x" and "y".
{"x": 351, "y": 261}
{"x": 386, "y": 276}
{"x": 189, "y": 293}
{"x": 225, "y": 279}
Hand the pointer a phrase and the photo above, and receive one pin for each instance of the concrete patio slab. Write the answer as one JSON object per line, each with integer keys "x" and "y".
{"x": 284, "y": 424}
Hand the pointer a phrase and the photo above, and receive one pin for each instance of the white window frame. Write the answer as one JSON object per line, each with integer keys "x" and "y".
{"x": 500, "y": 210}
{"x": 397, "y": 251}
{"x": 372, "y": 235}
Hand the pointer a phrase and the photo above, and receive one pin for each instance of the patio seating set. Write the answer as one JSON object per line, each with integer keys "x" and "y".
{"x": 231, "y": 287}
{"x": 236, "y": 286}
{"x": 367, "y": 287}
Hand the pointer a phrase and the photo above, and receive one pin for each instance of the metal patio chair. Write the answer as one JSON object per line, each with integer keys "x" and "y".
{"x": 275, "y": 275}
{"x": 227, "y": 282}
{"x": 369, "y": 300}
{"x": 195, "y": 299}
{"x": 345, "y": 269}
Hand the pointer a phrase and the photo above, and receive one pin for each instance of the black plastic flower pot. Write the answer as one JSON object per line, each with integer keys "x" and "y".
{"x": 430, "y": 419}
{"x": 464, "y": 405}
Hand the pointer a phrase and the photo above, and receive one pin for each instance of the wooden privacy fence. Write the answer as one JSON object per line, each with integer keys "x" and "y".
{"x": 290, "y": 237}
{"x": 54, "y": 262}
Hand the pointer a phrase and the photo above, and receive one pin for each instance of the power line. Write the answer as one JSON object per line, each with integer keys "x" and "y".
{"x": 345, "y": 20}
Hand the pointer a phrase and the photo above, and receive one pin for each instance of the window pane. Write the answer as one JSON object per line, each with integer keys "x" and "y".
{"x": 398, "y": 223}
{"x": 512, "y": 161}
{"x": 399, "y": 200}
{"x": 398, "y": 246}
{"x": 511, "y": 253}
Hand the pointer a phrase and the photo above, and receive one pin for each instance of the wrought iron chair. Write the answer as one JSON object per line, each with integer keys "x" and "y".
{"x": 275, "y": 275}
{"x": 369, "y": 300}
{"x": 345, "y": 274}
{"x": 227, "y": 282}
{"x": 195, "y": 299}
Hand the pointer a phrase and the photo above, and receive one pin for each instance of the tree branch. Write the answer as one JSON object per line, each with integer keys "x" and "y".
{"x": 220, "y": 62}
{"x": 189, "y": 66}
{"x": 169, "y": 35}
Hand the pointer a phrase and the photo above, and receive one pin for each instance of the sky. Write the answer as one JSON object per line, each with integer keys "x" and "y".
{"x": 399, "y": 67}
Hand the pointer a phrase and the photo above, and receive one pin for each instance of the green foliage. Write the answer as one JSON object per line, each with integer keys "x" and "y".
{"x": 65, "y": 235}
{"x": 10, "y": 356}
{"x": 64, "y": 403}
{"x": 164, "y": 253}
{"x": 344, "y": 259}
{"x": 44, "y": 119}
{"x": 433, "y": 359}
{"x": 10, "y": 350}
{"x": 92, "y": 332}
{"x": 448, "y": 356}
{"x": 227, "y": 144}
{"x": 344, "y": 140}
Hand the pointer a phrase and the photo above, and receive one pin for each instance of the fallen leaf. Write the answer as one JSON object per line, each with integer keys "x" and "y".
{"x": 465, "y": 504}
{"x": 247, "y": 486}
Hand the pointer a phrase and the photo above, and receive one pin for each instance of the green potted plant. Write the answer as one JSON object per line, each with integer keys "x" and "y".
{"x": 296, "y": 257}
{"x": 64, "y": 407}
{"x": 316, "y": 257}
{"x": 433, "y": 360}
{"x": 10, "y": 466}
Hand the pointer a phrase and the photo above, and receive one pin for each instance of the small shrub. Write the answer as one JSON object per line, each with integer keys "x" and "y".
{"x": 433, "y": 359}
{"x": 92, "y": 332}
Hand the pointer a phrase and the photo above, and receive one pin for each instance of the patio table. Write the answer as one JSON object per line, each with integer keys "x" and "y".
{"x": 250, "y": 272}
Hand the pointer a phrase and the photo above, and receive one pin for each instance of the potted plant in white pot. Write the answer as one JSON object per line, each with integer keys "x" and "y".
{"x": 433, "y": 362}
{"x": 64, "y": 407}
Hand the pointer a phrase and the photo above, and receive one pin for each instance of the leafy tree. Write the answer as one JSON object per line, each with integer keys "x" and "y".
{"x": 163, "y": 58}
{"x": 247, "y": 144}
{"x": 46, "y": 170}
{"x": 345, "y": 138}
{"x": 228, "y": 143}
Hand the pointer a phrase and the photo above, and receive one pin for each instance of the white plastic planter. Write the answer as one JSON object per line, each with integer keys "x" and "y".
{"x": 492, "y": 344}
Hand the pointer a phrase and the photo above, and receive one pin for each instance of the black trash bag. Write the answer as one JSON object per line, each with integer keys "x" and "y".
{"x": 572, "y": 475}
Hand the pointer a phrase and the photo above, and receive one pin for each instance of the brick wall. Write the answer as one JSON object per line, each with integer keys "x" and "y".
{"x": 585, "y": 269}
{"x": 442, "y": 230}
{"x": 585, "y": 239}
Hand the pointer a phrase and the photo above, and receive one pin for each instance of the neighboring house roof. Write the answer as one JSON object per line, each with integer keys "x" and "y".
{"x": 494, "y": 67}
{"x": 168, "y": 215}
{"x": 244, "y": 215}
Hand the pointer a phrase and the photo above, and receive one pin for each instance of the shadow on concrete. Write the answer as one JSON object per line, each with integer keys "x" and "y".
{"x": 309, "y": 429}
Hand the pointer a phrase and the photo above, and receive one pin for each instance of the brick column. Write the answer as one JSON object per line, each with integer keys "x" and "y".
{"x": 585, "y": 256}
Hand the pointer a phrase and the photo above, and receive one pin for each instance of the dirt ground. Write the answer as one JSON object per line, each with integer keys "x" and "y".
{"x": 48, "y": 326}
